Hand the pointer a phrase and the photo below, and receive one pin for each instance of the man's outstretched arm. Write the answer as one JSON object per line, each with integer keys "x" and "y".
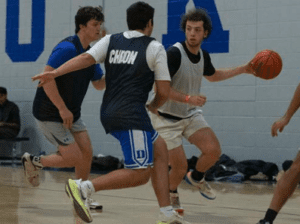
{"x": 80, "y": 62}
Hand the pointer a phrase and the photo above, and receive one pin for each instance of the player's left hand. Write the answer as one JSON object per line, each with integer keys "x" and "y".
{"x": 197, "y": 100}
{"x": 44, "y": 77}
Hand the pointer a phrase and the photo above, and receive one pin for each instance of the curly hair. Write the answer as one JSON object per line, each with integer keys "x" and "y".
{"x": 198, "y": 14}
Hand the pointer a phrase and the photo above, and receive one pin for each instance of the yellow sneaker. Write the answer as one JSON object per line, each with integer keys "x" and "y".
{"x": 73, "y": 190}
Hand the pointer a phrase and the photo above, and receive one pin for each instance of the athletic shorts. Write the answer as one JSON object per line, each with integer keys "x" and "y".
{"x": 57, "y": 134}
{"x": 137, "y": 147}
{"x": 173, "y": 131}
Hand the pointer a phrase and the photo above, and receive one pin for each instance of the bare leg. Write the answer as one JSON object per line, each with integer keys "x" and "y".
{"x": 206, "y": 140}
{"x": 160, "y": 173}
{"x": 123, "y": 178}
{"x": 68, "y": 156}
{"x": 286, "y": 185}
{"x": 179, "y": 166}
{"x": 83, "y": 140}
{"x": 78, "y": 155}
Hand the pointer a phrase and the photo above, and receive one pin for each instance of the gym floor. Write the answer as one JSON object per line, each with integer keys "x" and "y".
{"x": 236, "y": 203}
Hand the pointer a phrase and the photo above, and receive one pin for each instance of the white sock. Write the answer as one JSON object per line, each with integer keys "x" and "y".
{"x": 168, "y": 211}
{"x": 89, "y": 185}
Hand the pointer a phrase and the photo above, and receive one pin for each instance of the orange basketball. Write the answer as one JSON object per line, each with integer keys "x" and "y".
{"x": 267, "y": 64}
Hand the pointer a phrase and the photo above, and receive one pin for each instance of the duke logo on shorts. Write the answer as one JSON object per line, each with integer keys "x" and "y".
{"x": 137, "y": 147}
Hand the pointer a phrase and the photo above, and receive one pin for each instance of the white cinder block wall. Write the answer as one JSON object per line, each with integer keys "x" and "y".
{"x": 240, "y": 111}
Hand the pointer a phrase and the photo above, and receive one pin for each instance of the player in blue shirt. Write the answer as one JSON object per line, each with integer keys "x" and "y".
{"x": 133, "y": 62}
{"x": 57, "y": 106}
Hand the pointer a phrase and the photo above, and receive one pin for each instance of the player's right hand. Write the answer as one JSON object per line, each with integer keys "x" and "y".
{"x": 197, "y": 100}
{"x": 279, "y": 125}
{"x": 67, "y": 117}
{"x": 44, "y": 77}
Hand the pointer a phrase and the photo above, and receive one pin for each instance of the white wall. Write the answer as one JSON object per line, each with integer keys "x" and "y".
{"x": 240, "y": 111}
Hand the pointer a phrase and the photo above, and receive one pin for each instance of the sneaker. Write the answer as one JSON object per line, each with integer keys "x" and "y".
{"x": 79, "y": 198}
{"x": 264, "y": 222}
{"x": 174, "y": 198}
{"x": 94, "y": 205}
{"x": 31, "y": 165}
{"x": 174, "y": 219}
{"x": 204, "y": 188}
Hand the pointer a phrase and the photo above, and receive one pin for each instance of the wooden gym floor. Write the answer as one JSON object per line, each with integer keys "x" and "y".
{"x": 243, "y": 203}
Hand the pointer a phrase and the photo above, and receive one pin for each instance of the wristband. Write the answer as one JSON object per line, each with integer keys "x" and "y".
{"x": 187, "y": 98}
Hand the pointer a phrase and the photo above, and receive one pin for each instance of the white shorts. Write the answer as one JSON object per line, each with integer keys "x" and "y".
{"x": 57, "y": 134}
{"x": 172, "y": 131}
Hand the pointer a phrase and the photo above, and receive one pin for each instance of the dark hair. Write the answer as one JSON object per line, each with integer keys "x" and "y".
{"x": 198, "y": 14}
{"x": 85, "y": 14}
{"x": 3, "y": 90}
{"x": 138, "y": 15}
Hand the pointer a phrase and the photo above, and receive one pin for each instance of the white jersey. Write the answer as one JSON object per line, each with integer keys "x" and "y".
{"x": 187, "y": 80}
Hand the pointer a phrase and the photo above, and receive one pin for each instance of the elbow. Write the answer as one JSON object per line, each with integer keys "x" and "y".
{"x": 100, "y": 87}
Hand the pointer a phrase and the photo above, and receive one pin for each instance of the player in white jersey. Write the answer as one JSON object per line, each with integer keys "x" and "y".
{"x": 181, "y": 115}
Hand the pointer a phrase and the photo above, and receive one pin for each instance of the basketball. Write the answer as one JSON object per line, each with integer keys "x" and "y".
{"x": 267, "y": 64}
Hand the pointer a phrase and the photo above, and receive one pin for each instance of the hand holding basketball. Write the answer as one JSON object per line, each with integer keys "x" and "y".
{"x": 266, "y": 64}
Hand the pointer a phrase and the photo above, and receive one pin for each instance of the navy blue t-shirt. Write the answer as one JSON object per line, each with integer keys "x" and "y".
{"x": 72, "y": 87}
{"x": 128, "y": 83}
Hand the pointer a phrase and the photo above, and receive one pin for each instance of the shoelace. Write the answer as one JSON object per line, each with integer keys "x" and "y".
{"x": 207, "y": 185}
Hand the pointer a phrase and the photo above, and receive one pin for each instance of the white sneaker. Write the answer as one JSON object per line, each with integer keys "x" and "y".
{"x": 94, "y": 205}
{"x": 175, "y": 202}
{"x": 31, "y": 165}
{"x": 174, "y": 219}
{"x": 79, "y": 195}
{"x": 204, "y": 188}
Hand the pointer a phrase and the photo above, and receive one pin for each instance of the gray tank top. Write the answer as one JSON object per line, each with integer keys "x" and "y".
{"x": 187, "y": 80}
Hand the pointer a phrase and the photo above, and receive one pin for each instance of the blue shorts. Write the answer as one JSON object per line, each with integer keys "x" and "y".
{"x": 137, "y": 147}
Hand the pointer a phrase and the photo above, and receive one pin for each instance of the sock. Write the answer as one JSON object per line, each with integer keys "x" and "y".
{"x": 36, "y": 160}
{"x": 168, "y": 211}
{"x": 270, "y": 215}
{"x": 197, "y": 176}
{"x": 174, "y": 192}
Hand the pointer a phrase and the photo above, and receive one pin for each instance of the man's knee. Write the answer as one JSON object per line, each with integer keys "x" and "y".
{"x": 71, "y": 153}
{"x": 295, "y": 167}
{"x": 214, "y": 153}
{"x": 143, "y": 175}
